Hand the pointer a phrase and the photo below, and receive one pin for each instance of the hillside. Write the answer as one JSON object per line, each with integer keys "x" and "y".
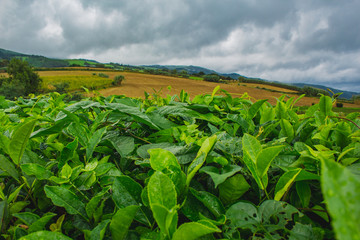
{"x": 44, "y": 62}
{"x": 345, "y": 94}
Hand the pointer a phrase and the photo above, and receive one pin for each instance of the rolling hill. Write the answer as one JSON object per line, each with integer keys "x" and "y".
{"x": 45, "y": 62}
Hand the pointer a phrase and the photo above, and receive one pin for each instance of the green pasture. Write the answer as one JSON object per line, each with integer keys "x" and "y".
{"x": 76, "y": 82}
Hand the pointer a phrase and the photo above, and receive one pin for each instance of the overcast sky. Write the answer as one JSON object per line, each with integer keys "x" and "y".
{"x": 314, "y": 41}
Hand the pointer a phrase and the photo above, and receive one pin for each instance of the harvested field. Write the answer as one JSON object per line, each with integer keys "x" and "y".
{"x": 136, "y": 84}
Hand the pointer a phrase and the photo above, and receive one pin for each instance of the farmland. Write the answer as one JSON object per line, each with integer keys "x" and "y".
{"x": 136, "y": 84}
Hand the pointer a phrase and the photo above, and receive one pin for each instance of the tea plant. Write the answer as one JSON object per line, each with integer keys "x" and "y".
{"x": 214, "y": 167}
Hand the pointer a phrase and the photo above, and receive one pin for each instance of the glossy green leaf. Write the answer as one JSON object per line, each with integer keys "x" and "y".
{"x": 3, "y": 213}
{"x": 68, "y": 152}
{"x": 19, "y": 141}
{"x": 63, "y": 197}
{"x": 206, "y": 147}
{"x": 251, "y": 146}
{"x": 166, "y": 219}
{"x": 93, "y": 204}
{"x": 94, "y": 141}
{"x": 15, "y": 193}
{"x": 194, "y": 230}
{"x": 161, "y": 159}
{"x": 99, "y": 231}
{"x": 233, "y": 188}
{"x": 8, "y": 167}
{"x": 255, "y": 108}
{"x": 127, "y": 192}
{"x": 325, "y": 105}
{"x": 265, "y": 158}
{"x": 341, "y": 193}
{"x": 220, "y": 175}
{"x": 45, "y": 235}
{"x": 39, "y": 224}
{"x": 123, "y": 145}
{"x": 284, "y": 183}
{"x": 161, "y": 190}
{"x": 121, "y": 221}
{"x": 27, "y": 217}
{"x": 39, "y": 171}
{"x": 287, "y": 130}
{"x": 56, "y": 227}
{"x": 304, "y": 192}
{"x": 246, "y": 216}
{"x": 210, "y": 201}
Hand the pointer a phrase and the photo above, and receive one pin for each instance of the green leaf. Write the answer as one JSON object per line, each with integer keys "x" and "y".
{"x": 246, "y": 216}
{"x": 3, "y": 213}
{"x": 285, "y": 182}
{"x": 161, "y": 159}
{"x": 39, "y": 171}
{"x": 56, "y": 227}
{"x": 325, "y": 105}
{"x": 194, "y": 230}
{"x": 220, "y": 175}
{"x": 63, "y": 197}
{"x": 287, "y": 130}
{"x": 304, "y": 192}
{"x": 19, "y": 140}
{"x": 251, "y": 146}
{"x": 8, "y": 167}
{"x": 243, "y": 215}
{"x": 27, "y": 217}
{"x": 161, "y": 190}
{"x": 123, "y": 145}
{"x": 304, "y": 232}
{"x": 206, "y": 147}
{"x": 210, "y": 201}
{"x": 94, "y": 202}
{"x": 15, "y": 193}
{"x": 166, "y": 219}
{"x": 94, "y": 141}
{"x": 255, "y": 108}
{"x": 265, "y": 158}
{"x": 68, "y": 152}
{"x": 99, "y": 231}
{"x": 341, "y": 193}
{"x": 39, "y": 224}
{"x": 127, "y": 192}
{"x": 233, "y": 188}
{"x": 121, "y": 222}
{"x": 45, "y": 235}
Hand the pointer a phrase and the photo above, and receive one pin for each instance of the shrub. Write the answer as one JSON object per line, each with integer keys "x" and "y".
{"x": 21, "y": 73}
{"x": 118, "y": 80}
{"x": 12, "y": 89}
{"x": 103, "y": 75}
{"x": 61, "y": 87}
{"x": 212, "y": 78}
{"x": 339, "y": 105}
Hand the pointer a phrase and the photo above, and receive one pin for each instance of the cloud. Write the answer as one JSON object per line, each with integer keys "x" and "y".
{"x": 284, "y": 40}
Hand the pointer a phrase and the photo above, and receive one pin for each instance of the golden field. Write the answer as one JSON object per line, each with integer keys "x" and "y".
{"x": 135, "y": 84}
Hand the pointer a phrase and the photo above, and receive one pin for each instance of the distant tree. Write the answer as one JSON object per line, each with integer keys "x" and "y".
{"x": 4, "y": 63}
{"x": 118, "y": 80}
{"x": 212, "y": 78}
{"x": 21, "y": 73}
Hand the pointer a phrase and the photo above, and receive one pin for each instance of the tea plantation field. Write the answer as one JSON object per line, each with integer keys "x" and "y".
{"x": 210, "y": 167}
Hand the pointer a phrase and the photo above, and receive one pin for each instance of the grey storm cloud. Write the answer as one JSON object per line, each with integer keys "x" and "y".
{"x": 283, "y": 40}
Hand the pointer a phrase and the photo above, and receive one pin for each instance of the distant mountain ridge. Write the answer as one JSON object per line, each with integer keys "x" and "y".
{"x": 41, "y": 61}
